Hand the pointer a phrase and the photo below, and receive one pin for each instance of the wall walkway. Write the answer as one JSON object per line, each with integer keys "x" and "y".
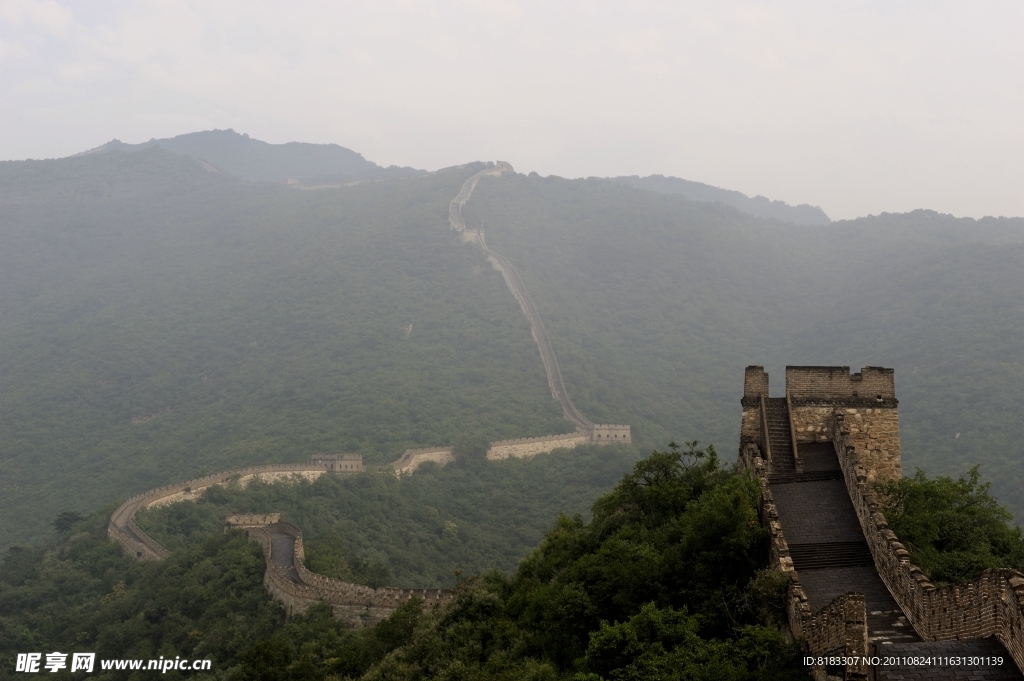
{"x": 522, "y": 296}
{"x": 852, "y": 589}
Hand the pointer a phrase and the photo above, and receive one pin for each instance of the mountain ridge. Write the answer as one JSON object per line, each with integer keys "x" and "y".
{"x": 758, "y": 206}
{"x": 258, "y": 161}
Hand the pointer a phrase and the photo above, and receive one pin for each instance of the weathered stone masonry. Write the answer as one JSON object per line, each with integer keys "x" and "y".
{"x": 868, "y": 398}
{"x": 855, "y": 415}
{"x": 290, "y": 582}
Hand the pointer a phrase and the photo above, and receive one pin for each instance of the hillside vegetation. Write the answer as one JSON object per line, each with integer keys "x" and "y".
{"x": 654, "y": 303}
{"x": 665, "y": 578}
{"x": 758, "y": 206}
{"x": 158, "y": 319}
{"x": 415, "y": 531}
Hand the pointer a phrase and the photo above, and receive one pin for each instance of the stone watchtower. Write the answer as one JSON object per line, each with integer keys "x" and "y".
{"x": 339, "y": 463}
{"x": 867, "y": 401}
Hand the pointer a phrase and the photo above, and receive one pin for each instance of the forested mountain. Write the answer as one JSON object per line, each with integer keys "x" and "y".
{"x": 654, "y": 302}
{"x": 759, "y": 206}
{"x": 665, "y": 579}
{"x": 158, "y": 319}
{"x": 255, "y": 160}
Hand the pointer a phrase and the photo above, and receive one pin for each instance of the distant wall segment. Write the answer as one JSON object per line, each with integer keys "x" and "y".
{"x": 298, "y": 589}
{"x": 290, "y": 581}
{"x": 122, "y": 528}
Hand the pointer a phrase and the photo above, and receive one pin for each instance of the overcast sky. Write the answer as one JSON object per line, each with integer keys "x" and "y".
{"x": 858, "y": 107}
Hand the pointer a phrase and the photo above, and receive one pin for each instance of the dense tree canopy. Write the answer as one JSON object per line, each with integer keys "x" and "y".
{"x": 953, "y": 528}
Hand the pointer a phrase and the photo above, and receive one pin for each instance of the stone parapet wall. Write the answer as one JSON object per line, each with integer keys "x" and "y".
{"x": 991, "y": 605}
{"x": 414, "y": 458}
{"x": 841, "y": 628}
{"x": 750, "y": 425}
{"x": 355, "y": 603}
{"x": 122, "y": 525}
{"x": 531, "y": 446}
{"x": 873, "y": 430}
{"x": 837, "y": 382}
{"x": 241, "y": 520}
{"x": 811, "y": 423}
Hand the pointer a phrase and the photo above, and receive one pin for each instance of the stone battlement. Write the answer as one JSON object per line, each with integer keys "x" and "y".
{"x": 339, "y": 463}
{"x": 990, "y": 606}
{"x": 826, "y": 384}
{"x": 240, "y": 520}
{"x": 357, "y": 604}
{"x": 813, "y": 393}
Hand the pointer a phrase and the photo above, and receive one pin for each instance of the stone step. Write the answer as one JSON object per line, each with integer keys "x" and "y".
{"x": 786, "y": 477}
{"x": 830, "y": 555}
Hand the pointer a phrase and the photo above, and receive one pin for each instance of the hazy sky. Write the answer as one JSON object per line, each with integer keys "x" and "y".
{"x": 859, "y": 107}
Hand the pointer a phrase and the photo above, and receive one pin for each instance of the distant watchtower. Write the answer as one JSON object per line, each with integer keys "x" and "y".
{"x": 780, "y": 425}
{"x": 339, "y": 463}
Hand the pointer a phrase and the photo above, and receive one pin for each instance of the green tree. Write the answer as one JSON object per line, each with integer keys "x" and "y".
{"x": 952, "y": 528}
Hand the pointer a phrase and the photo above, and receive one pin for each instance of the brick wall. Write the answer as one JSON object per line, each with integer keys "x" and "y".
{"x": 991, "y": 605}
{"x": 838, "y": 382}
{"x": 755, "y": 382}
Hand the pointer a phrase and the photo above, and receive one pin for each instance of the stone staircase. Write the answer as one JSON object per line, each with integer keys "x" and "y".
{"x": 826, "y": 543}
{"x": 779, "y": 435}
{"x": 831, "y": 557}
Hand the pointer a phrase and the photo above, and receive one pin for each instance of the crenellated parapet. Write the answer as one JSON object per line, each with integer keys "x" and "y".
{"x": 297, "y": 588}
{"x": 526, "y": 447}
{"x": 990, "y": 605}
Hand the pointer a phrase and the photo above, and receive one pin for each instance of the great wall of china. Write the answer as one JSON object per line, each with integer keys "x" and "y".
{"x": 852, "y": 591}
{"x": 286, "y": 576}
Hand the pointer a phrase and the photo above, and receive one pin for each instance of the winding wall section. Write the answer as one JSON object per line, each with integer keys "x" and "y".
{"x": 286, "y": 576}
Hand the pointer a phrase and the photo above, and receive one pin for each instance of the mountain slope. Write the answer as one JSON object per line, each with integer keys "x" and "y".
{"x": 654, "y": 303}
{"x": 190, "y": 321}
{"x": 759, "y": 206}
{"x": 254, "y": 160}
{"x": 158, "y": 318}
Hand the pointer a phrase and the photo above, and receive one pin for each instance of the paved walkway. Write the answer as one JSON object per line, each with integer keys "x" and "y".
{"x": 831, "y": 558}
{"x": 282, "y": 550}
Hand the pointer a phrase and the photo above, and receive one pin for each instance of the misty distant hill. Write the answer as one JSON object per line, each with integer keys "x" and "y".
{"x": 158, "y": 319}
{"x": 258, "y": 161}
{"x": 760, "y": 206}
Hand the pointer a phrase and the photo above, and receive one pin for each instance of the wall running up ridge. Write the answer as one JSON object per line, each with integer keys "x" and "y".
{"x": 292, "y": 583}
{"x": 518, "y": 288}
